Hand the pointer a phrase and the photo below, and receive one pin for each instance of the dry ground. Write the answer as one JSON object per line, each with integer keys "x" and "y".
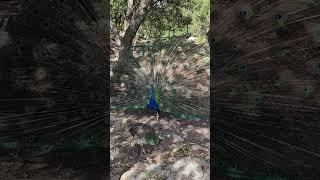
{"x": 179, "y": 139}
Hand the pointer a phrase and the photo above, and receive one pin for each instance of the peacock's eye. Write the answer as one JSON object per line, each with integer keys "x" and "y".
{"x": 277, "y": 16}
{"x": 317, "y": 68}
{"x": 234, "y": 46}
{"x": 316, "y": 35}
{"x": 242, "y": 67}
{"x": 243, "y": 13}
{"x": 220, "y": 164}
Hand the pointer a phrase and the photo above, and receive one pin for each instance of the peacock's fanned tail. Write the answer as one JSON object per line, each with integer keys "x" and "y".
{"x": 53, "y": 73}
{"x": 173, "y": 80}
{"x": 265, "y": 62}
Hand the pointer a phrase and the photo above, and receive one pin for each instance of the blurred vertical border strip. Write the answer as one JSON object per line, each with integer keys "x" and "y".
{"x": 9, "y": 7}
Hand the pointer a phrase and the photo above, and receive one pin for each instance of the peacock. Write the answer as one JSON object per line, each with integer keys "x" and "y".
{"x": 265, "y": 84}
{"x": 53, "y": 75}
{"x": 169, "y": 80}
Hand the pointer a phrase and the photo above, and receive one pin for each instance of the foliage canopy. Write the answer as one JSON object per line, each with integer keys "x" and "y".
{"x": 167, "y": 17}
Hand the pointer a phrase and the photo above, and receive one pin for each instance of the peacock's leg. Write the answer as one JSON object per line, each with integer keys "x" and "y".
{"x": 158, "y": 118}
{"x": 159, "y": 126}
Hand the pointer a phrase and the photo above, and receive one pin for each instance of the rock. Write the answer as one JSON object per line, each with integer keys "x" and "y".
{"x": 180, "y": 49}
{"x": 196, "y": 147}
{"x": 187, "y": 168}
{"x": 141, "y": 171}
{"x": 205, "y": 163}
{"x": 206, "y": 176}
{"x": 175, "y": 148}
{"x": 176, "y": 138}
{"x": 153, "y": 169}
{"x": 192, "y": 39}
{"x": 190, "y": 171}
{"x": 170, "y": 177}
{"x": 159, "y": 158}
{"x": 124, "y": 143}
{"x": 136, "y": 172}
{"x": 114, "y": 153}
{"x": 205, "y": 132}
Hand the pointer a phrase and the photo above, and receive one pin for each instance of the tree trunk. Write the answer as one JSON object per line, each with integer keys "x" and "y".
{"x": 135, "y": 16}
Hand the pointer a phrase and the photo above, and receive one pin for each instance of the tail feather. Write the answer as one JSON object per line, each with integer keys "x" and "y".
{"x": 180, "y": 75}
{"x": 53, "y": 83}
{"x": 265, "y": 85}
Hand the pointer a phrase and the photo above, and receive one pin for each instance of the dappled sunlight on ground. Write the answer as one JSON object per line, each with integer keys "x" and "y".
{"x": 179, "y": 139}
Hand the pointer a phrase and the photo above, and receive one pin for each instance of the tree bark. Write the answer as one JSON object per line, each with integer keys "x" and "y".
{"x": 136, "y": 14}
